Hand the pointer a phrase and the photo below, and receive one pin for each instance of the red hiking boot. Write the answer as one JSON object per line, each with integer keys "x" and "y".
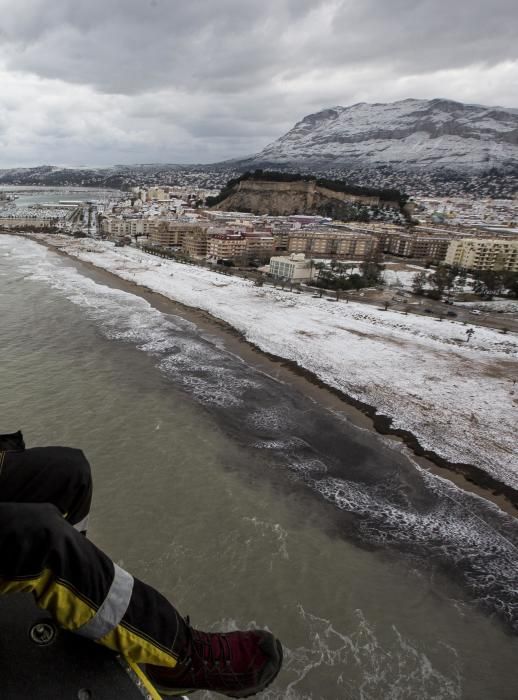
{"x": 236, "y": 664}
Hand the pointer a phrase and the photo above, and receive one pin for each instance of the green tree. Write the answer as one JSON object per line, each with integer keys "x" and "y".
{"x": 320, "y": 266}
{"x": 510, "y": 283}
{"x": 488, "y": 283}
{"x": 443, "y": 278}
{"x": 419, "y": 281}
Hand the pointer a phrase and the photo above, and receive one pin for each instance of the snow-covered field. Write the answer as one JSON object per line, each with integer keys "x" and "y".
{"x": 457, "y": 397}
{"x": 504, "y": 305}
{"x": 400, "y": 278}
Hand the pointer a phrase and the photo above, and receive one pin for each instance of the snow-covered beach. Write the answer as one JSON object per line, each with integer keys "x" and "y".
{"x": 458, "y": 398}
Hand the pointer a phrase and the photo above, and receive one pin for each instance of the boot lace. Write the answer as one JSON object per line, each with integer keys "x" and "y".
{"x": 213, "y": 650}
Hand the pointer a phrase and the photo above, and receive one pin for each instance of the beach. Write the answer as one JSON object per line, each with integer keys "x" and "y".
{"x": 452, "y": 401}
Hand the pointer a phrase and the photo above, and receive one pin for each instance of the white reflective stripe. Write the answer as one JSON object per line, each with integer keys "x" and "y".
{"x": 113, "y": 608}
{"x": 82, "y": 525}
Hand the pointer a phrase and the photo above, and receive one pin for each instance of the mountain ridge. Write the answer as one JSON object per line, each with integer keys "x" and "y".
{"x": 437, "y": 133}
{"x": 381, "y": 144}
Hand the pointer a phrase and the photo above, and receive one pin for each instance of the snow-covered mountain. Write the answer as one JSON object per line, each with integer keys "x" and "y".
{"x": 437, "y": 134}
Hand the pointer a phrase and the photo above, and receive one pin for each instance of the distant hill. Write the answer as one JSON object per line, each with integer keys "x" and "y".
{"x": 284, "y": 194}
{"x": 117, "y": 176}
{"x": 416, "y": 134}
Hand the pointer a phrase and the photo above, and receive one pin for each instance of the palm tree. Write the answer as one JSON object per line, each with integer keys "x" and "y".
{"x": 311, "y": 266}
{"x": 320, "y": 266}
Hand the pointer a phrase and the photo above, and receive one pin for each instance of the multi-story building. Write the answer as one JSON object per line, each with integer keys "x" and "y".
{"x": 294, "y": 267}
{"x": 484, "y": 254}
{"x": 115, "y": 227}
{"x": 36, "y": 222}
{"x": 226, "y": 246}
{"x": 156, "y": 193}
{"x": 410, "y": 245}
{"x": 281, "y": 232}
{"x": 259, "y": 246}
{"x": 195, "y": 243}
{"x": 174, "y": 233}
{"x": 333, "y": 244}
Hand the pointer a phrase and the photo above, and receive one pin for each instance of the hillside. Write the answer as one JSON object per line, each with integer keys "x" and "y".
{"x": 117, "y": 176}
{"x": 431, "y": 147}
{"x": 283, "y": 194}
{"x": 417, "y": 134}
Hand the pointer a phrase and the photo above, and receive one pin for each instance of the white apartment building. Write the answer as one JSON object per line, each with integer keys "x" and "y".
{"x": 294, "y": 267}
{"x": 114, "y": 226}
{"x": 156, "y": 193}
{"x": 484, "y": 254}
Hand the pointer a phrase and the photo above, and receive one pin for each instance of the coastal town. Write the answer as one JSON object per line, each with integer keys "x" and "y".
{"x": 437, "y": 276}
{"x": 441, "y": 249}
{"x": 469, "y": 234}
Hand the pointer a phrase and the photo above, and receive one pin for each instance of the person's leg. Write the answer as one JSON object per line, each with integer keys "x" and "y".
{"x": 82, "y": 588}
{"x": 42, "y": 550}
{"x": 86, "y": 593}
{"x": 57, "y": 475}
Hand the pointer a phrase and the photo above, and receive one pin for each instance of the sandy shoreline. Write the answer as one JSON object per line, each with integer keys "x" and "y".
{"x": 466, "y": 476}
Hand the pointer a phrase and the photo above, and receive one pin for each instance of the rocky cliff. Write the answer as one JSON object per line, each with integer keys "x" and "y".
{"x": 260, "y": 195}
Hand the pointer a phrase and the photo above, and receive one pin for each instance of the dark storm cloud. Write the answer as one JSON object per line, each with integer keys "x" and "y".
{"x": 128, "y": 46}
{"x": 182, "y": 73}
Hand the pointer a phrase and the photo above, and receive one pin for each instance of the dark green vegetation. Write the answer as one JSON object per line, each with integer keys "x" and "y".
{"x": 340, "y": 276}
{"x": 486, "y": 283}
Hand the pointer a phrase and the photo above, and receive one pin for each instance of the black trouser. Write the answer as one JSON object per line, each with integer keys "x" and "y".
{"x": 45, "y": 495}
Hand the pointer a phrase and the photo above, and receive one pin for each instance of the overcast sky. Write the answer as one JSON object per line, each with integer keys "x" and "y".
{"x": 98, "y": 82}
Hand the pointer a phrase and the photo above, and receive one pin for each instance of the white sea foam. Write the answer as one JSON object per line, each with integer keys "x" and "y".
{"x": 195, "y": 363}
{"x": 271, "y": 419}
{"x": 363, "y": 667}
{"x": 272, "y": 530}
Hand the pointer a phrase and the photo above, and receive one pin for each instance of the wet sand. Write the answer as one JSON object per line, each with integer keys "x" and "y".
{"x": 465, "y": 476}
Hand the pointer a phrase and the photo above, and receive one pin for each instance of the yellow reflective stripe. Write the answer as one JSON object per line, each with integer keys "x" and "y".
{"x": 136, "y": 648}
{"x": 71, "y": 612}
{"x": 19, "y": 585}
{"x": 66, "y": 606}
